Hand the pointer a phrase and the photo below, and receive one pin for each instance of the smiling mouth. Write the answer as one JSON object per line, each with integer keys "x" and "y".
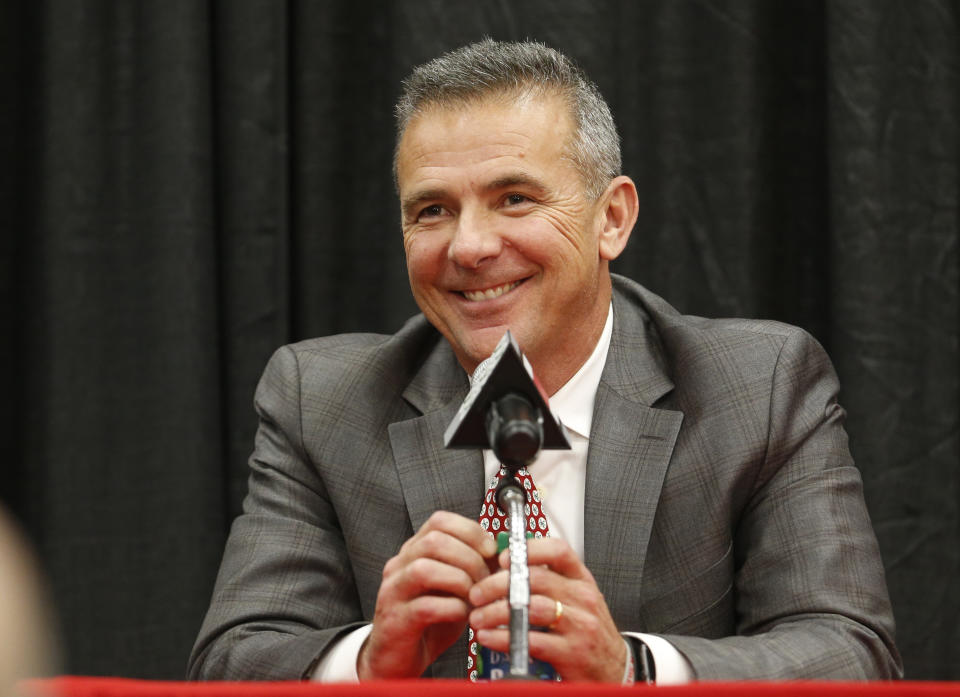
{"x": 490, "y": 293}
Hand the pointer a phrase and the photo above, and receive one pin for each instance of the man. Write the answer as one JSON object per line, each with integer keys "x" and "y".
{"x": 708, "y": 521}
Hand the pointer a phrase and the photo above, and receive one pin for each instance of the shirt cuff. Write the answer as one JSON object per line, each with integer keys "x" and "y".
{"x": 339, "y": 664}
{"x": 672, "y": 667}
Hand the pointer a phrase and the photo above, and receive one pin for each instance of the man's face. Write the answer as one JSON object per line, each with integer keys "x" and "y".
{"x": 499, "y": 233}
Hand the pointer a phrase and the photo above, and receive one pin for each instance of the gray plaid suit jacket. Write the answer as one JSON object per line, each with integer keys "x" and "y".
{"x": 722, "y": 511}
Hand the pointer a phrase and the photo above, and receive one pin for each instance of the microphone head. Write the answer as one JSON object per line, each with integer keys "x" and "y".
{"x": 503, "y": 373}
{"x": 514, "y": 430}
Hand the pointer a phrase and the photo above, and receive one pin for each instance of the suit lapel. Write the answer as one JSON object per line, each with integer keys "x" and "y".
{"x": 433, "y": 478}
{"x": 631, "y": 444}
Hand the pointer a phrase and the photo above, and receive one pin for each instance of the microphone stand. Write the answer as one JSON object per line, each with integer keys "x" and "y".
{"x": 515, "y": 432}
{"x": 510, "y": 498}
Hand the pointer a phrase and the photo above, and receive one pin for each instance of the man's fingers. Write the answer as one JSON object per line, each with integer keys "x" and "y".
{"x": 489, "y": 589}
{"x": 406, "y": 619}
{"x": 430, "y": 609}
{"x": 425, "y": 576}
{"x": 543, "y": 580}
{"x": 546, "y": 612}
{"x": 554, "y": 553}
{"x": 443, "y": 547}
{"x": 491, "y": 615}
{"x": 544, "y": 646}
{"x": 450, "y": 539}
{"x": 543, "y": 613}
{"x": 495, "y": 639}
{"x": 466, "y": 530}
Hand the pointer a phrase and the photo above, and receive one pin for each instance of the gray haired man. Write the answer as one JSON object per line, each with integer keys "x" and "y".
{"x": 708, "y": 522}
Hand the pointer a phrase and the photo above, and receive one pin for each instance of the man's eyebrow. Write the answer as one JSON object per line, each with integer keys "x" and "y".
{"x": 409, "y": 204}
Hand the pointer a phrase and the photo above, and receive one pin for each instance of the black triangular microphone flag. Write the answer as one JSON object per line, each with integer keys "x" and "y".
{"x": 503, "y": 372}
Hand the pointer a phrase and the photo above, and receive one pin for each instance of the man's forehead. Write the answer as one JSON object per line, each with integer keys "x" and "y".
{"x": 499, "y": 136}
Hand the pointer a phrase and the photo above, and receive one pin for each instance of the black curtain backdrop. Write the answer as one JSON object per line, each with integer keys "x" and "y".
{"x": 187, "y": 185}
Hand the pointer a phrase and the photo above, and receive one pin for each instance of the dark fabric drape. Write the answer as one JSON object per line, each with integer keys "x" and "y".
{"x": 189, "y": 185}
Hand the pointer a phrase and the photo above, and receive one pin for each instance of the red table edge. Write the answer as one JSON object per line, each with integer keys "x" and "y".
{"x": 90, "y": 686}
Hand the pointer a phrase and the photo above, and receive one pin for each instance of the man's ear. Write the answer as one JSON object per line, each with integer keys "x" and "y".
{"x": 618, "y": 215}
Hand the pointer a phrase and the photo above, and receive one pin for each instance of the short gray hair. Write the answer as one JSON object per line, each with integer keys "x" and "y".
{"x": 489, "y": 68}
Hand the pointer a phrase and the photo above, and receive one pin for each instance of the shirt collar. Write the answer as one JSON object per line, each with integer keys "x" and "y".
{"x": 573, "y": 403}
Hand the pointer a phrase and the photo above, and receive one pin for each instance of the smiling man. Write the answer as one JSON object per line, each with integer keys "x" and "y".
{"x": 708, "y": 522}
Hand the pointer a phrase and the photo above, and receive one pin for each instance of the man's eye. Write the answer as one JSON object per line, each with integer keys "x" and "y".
{"x": 515, "y": 199}
{"x": 431, "y": 211}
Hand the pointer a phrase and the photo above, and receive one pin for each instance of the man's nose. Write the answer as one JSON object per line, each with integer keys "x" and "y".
{"x": 475, "y": 240}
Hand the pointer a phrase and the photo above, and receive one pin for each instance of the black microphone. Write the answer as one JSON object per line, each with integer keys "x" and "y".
{"x": 506, "y": 410}
{"x": 514, "y": 430}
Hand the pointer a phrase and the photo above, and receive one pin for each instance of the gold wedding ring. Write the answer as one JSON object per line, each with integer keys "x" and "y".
{"x": 558, "y": 612}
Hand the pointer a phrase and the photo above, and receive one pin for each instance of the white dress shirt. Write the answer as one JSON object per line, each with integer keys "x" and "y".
{"x": 560, "y": 476}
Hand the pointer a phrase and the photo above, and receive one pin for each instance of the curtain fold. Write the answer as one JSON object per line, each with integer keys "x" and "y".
{"x": 894, "y": 106}
{"x": 191, "y": 185}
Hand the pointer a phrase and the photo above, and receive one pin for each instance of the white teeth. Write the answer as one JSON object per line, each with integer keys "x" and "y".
{"x": 490, "y": 293}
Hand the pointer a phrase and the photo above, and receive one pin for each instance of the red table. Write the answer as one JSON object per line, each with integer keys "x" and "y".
{"x": 120, "y": 687}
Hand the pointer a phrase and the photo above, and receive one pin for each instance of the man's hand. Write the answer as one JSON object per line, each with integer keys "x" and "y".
{"x": 422, "y": 604}
{"x": 583, "y": 644}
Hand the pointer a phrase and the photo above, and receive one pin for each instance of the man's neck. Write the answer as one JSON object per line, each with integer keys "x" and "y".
{"x": 573, "y": 402}
{"x": 552, "y": 374}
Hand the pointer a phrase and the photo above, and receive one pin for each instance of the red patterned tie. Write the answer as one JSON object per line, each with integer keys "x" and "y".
{"x": 495, "y": 522}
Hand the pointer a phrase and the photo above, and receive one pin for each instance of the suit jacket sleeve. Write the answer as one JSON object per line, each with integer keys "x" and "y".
{"x": 811, "y": 599}
{"x": 285, "y": 589}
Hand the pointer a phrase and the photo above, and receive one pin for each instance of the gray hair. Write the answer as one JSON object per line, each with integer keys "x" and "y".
{"x": 488, "y": 68}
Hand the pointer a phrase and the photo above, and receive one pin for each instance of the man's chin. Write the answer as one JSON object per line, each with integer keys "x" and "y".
{"x": 477, "y": 347}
